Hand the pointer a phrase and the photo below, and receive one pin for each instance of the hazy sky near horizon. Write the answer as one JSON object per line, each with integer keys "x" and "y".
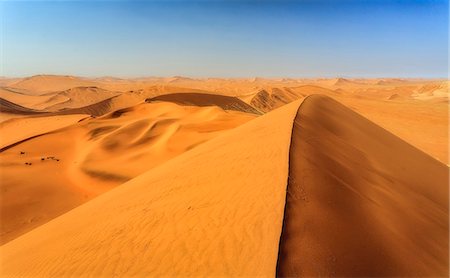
{"x": 225, "y": 38}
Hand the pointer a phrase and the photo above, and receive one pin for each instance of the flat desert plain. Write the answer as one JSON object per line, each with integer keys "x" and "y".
{"x": 111, "y": 177}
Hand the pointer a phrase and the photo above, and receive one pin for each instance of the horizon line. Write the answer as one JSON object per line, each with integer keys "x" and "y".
{"x": 226, "y": 77}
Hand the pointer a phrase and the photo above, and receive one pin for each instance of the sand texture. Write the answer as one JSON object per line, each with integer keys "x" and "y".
{"x": 179, "y": 176}
{"x": 360, "y": 201}
{"x": 219, "y": 213}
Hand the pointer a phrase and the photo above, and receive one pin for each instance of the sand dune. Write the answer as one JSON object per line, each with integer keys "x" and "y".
{"x": 31, "y": 102}
{"x": 355, "y": 200}
{"x": 361, "y": 202}
{"x": 267, "y": 100}
{"x": 40, "y": 84}
{"x": 192, "y": 221}
{"x": 176, "y": 185}
{"x": 88, "y": 156}
{"x": 12, "y": 108}
{"x": 80, "y": 97}
{"x": 196, "y": 99}
{"x": 422, "y": 124}
{"x": 18, "y": 130}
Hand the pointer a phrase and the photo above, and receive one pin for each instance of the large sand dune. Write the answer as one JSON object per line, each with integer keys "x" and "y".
{"x": 355, "y": 200}
{"x": 41, "y": 84}
{"x": 211, "y": 211}
{"x": 12, "y": 108}
{"x": 360, "y": 201}
{"x": 55, "y": 163}
{"x": 186, "y": 176}
{"x": 197, "y": 99}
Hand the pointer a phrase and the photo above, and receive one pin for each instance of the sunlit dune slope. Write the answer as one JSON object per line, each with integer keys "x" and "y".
{"x": 414, "y": 110}
{"x": 199, "y": 99}
{"x": 40, "y": 84}
{"x": 46, "y": 171}
{"x": 78, "y": 97}
{"x": 28, "y": 101}
{"x": 215, "y": 210}
{"x": 9, "y": 110}
{"x": 49, "y": 102}
{"x": 424, "y": 124}
{"x": 360, "y": 201}
{"x": 14, "y": 131}
{"x": 269, "y": 99}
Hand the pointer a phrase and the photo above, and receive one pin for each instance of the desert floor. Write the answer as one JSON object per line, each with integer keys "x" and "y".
{"x": 212, "y": 177}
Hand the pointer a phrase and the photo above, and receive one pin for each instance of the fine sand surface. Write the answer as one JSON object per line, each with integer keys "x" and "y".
{"x": 19, "y": 130}
{"x": 360, "y": 201}
{"x": 211, "y": 211}
{"x": 188, "y": 176}
{"x": 47, "y": 170}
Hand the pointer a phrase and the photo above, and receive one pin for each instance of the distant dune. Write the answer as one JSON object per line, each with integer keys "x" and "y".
{"x": 40, "y": 84}
{"x": 80, "y": 97}
{"x": 267, "y": 100}
{"x": 197, "y": 99}
{"x": 12, "y": 108}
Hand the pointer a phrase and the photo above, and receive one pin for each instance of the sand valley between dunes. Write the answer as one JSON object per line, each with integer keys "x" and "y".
{"x": 107, "y": 177}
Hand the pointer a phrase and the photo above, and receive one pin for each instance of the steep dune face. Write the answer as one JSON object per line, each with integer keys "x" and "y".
{"x": 148, "y": 134}
{"x": 360, "y": 201}
{"x": 421, "y": 123}
{"x": 80, "y": 97}
{"x": 24, "y": 100}
{"x": 198, "y": 99}
{"x": 267, "y": 100}
{"x": 15, "y": 131}
{"x": 50, "y": 165}
{"x": 12, "y": 108}
{"x": 212, "y": 211}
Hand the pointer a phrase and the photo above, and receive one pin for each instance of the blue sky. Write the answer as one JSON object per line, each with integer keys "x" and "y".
{"x": 225, "y": 38}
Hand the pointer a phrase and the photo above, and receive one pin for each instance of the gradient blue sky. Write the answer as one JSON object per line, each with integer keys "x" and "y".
{"x": 225, "y": 38}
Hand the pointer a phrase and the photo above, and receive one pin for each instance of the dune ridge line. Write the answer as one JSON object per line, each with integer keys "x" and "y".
{"x": 360, "y": 201}
{"x": 218, "y": 214}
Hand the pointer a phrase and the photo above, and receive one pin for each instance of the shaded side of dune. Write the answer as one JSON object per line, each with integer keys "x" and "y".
{"x": 12, "y": 108}
{"x": 97, "y": 109}
{"x": 360, "y": 201}
{"x": 201, "y": 99}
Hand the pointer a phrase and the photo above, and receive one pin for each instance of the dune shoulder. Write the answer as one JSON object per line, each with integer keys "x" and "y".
{"x": 190, "y": 216}
{"x": 361, "y": 201}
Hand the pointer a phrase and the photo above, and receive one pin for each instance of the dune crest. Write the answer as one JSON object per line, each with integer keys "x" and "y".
{"x": 37, "y": 164}
{"x": 202, "y": 99}
{"x": 353, "y": 200}
{"x": 360, "y": 201}
{"x": 193, "y": 221}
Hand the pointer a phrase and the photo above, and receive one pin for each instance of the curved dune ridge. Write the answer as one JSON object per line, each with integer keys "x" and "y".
{"x": 310, "y": 190}
{"x": 203, "y": 99}
{"x": 269, "y": 99}
{"x": 360, "y": 201}
{"x": 210, "y": 211}
{"x": 12, "y": 108}
{"x": 64, "y": 161}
